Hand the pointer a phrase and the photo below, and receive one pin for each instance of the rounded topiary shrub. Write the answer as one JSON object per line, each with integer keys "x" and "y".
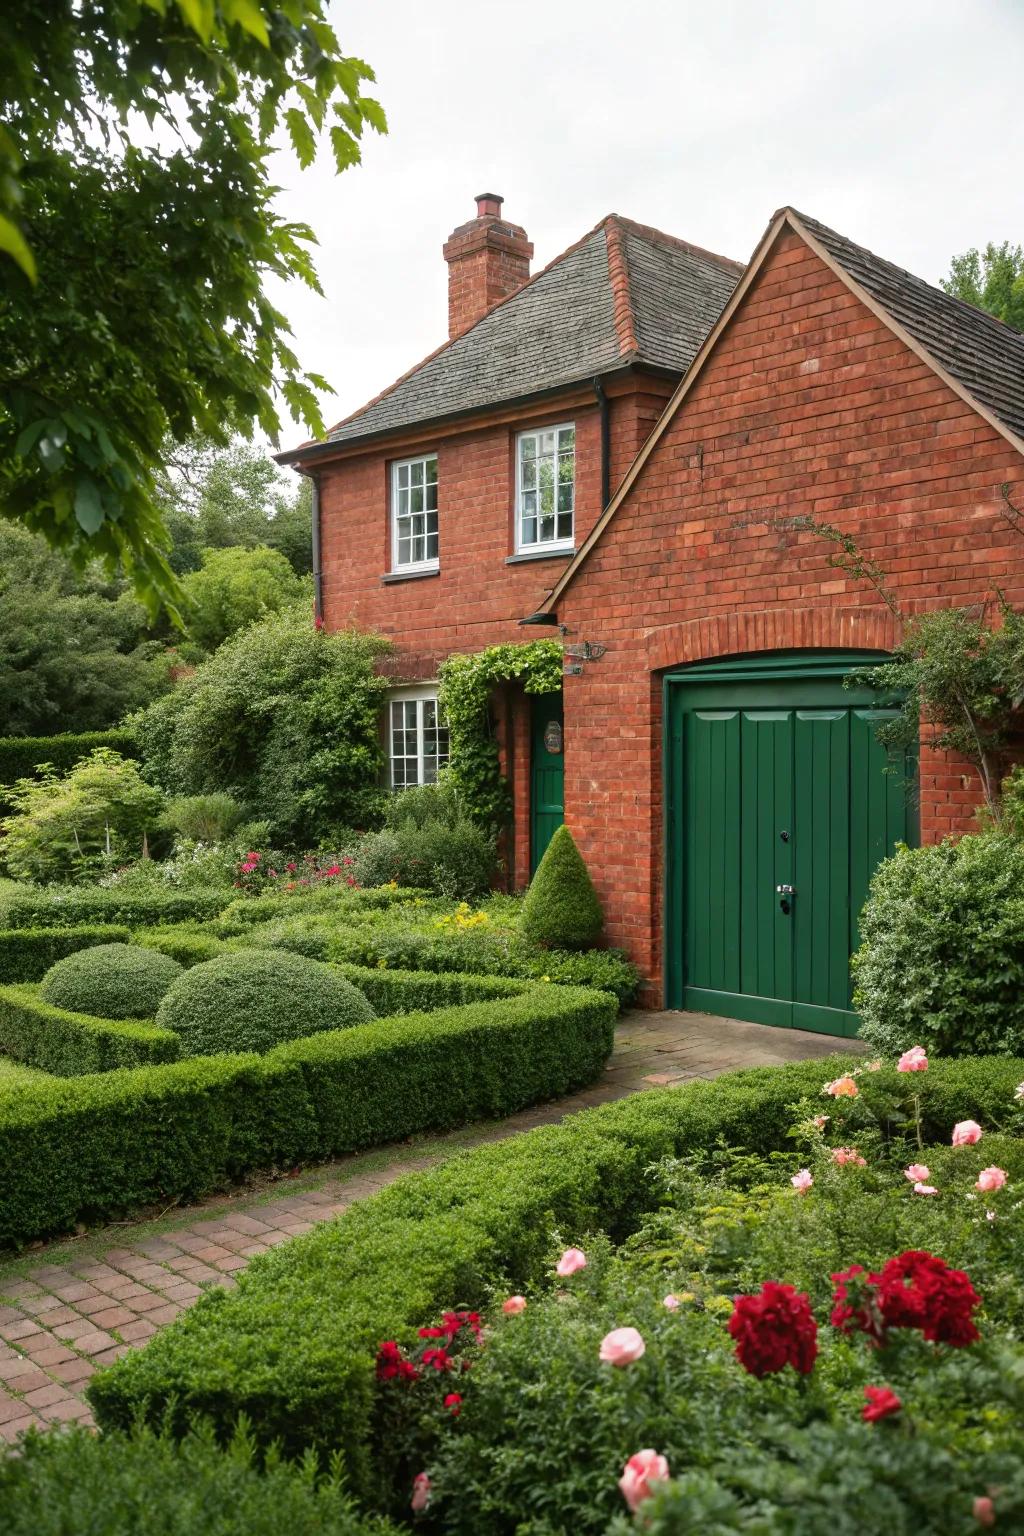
{"x": 111, "y": 981}
{"x": 941, "y": 962}
{"x": 562, "y": 909}
{"x": 255, "y": 999}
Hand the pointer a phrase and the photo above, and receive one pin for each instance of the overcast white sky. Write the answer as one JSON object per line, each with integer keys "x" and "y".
{"x": 898, "y": 122}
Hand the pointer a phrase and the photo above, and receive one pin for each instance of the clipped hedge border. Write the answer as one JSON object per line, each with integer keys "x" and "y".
{"x": 67, "y": 1044}
{"x": 20, "y": 756}
{"x": 70, "y": 906}
{"x": 82, "y": 1149}
{"x": 26, "y": 954}
{"x": 293, "y": 1347}
{"x": 244, "y": 911}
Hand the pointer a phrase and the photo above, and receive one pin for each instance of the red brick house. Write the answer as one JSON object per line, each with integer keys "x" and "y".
{"x": 615, "y": 451}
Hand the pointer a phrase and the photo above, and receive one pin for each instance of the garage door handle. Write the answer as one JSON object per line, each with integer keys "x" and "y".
{"x": 785, "y": 894}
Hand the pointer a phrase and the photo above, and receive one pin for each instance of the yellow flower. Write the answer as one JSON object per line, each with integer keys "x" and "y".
{"x": 545, "y": 978}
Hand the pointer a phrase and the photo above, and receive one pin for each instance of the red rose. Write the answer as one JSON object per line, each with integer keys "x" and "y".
{"x": 881, "y": 1402}
{"x": 918, "y": 1290}
{"x": 438, "y": 1358}
{"x": 855, "y": 1306}
{"x": 453, "y": 1402}
{"x": 774, "y": 1329}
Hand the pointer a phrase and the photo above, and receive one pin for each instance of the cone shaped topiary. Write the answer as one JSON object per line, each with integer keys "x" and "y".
{"x": 562, "y": 909}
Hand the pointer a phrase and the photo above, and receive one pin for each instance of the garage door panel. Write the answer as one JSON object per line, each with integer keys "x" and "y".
{"x": 712, "y": 756}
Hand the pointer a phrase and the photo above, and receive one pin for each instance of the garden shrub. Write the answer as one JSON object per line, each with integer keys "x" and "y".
{"x": 256, "y": 999}
{"x": 69, "y": 1044}
{"x": 96, "y": 1147}
{"x": 188, "y": 946}
{"x": 111, "y": 981}
{"x": 72, "y": 1481}
{"x": 26, "y": 954}
{"x": 246, "y": 911}
{"x": 70, "y": 906}
{"x": 204, "y": 818}
{"x": 562, "y": 909}
{"x": 22, "y": 756}
{"x": 941, "y": 961}
{"x": 294, "y": 1345}
{"x": 455, "y": 859}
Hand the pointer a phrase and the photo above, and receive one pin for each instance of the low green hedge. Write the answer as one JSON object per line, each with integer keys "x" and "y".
{"x": 72, "y": 1044}
{"x": 186, "y": 945}
{"x": 20, "y": 756}
{"x": 293, "y": 1348}
{"x": 111, "y": 981}
{"x": 392, "y": 992}
{"x": 26, "y": 954}
{"x": 70, "y": 1481}
{"x": 81, "y": 1149}
{"x": 245, "y": 911}
{"x": 69, "y": 906}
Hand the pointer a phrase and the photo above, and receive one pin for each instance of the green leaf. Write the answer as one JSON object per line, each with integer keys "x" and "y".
{"x": 346, "y": 150}
{"x": 88, "y": 506}
{"x": 247, "y": 14}
{"x": 374, "y": 113}
{"x": 200, "y": 15}
{"x": 13, "y": 242}
{"x": 301, "y": 136}
{"x": 27, "y": 438}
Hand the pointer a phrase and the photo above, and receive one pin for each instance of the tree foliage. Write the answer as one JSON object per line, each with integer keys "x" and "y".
{"x": 74, "y": 652}
{"x": 214, "y": 497}
{"x": 137, "y": 234}
{"x": 65, "y": 828}
{"x": 992, "y": 279}
{"x": 234, "y": 588}
{"x": 283, "y": 716}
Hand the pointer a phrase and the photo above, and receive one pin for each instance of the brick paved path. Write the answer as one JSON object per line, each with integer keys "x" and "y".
{"x": 76, "y": 1305}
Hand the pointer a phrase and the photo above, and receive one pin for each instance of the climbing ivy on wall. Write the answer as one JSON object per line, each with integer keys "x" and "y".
{"x": 466, "y": 682}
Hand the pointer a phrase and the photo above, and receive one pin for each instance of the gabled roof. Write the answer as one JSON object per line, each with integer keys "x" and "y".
{"x": 980, "y": 358}
{"x": 623, "y": 294}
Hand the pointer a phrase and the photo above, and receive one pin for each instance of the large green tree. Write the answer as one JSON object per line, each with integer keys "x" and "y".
{"x": 237, "y": 587}
{"x": 137, "y": 233}
{"x": 74, "y": 651}
{"x": 215, "y": 497}
{"x": 992, "y": 279}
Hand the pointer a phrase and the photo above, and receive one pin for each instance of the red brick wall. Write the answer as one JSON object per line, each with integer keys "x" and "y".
{"x": 809, "y": 406}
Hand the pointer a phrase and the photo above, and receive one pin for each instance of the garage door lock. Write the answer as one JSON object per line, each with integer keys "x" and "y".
{"x": 786, "y": 893}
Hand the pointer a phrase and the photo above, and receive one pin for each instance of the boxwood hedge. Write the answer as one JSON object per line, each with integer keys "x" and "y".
{"x": 69, "y": 906}
{"x": 86, "y": 1148}
{"x": 111, "y": 981}
{"x": 293, "y": 1347}
{"x": 68, "y": 1044}
{"x": 26, "y": 954}
{"x": 74, "y": 1481}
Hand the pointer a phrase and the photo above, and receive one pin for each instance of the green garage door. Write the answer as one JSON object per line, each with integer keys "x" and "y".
{"x": 781, "y": 803}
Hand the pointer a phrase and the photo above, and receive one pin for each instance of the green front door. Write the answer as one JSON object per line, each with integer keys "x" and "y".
{"x": 780, "y": 805}
{"x": 547, "y": 773}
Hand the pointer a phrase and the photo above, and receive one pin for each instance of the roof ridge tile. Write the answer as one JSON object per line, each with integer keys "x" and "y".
{"x": 618, "y": 277}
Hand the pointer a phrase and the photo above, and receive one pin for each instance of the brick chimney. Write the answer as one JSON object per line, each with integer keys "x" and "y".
{"x": 488, "y": 259}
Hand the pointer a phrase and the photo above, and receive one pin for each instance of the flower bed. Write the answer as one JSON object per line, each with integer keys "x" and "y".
{"x": 87, "y": 1148}
{"x": 294, "y": 1347}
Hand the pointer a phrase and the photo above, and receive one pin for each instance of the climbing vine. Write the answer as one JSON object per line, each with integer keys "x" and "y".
{"x": 466, "y": 681}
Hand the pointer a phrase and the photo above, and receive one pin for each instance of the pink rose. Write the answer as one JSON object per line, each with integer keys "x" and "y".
{"x": 420, "y": 1493}
{"x": 621, "y": 1347}
{"x": 872, "y": 1066}
{"x": 514, "y": 1305}
{"x": 802, "y": 1181}
{"x": 671, "y": 1303}
{"x": 844, "y": 1155}
{"x": 917, "y": 1173}
{"x": 966, "y": 1133}
{"x": 984, "y": 1510}
{"x": 640, "y": 1471}
{"x": 843, "y": 1088}
{"x": 572, "y": 1260}
{"x": 924, "y": 1189}
{"x": 990, "y": 1179}
{"x": 913, "y": 1060}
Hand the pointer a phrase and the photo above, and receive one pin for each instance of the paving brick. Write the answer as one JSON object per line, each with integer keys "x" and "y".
{"x": 49, "y": 1354}
{"x": 22, "y": 1376}
{"x": 165, "y": 1314}
{"x": 94, "y": 1343}
{"x": 15, "y": 1427}
{"x": 68, "y": 1410}
{"x": 137, "y": 1332}
{"x": 22, "y": 1328}
{"x": 108, "y": 1356}
{"x": 75, "y": 1372}
{"x": 45, "y": 1397}
{"x": 113, "y": 1317}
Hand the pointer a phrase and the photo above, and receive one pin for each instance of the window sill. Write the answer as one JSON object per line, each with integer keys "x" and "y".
{"x": 524, "y": 556}
{"x": 417, "y": 575}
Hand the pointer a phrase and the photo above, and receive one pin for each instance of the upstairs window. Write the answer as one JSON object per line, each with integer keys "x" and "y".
{"x": 418, "y": 744}
{"x": 546, "y": 489}
{"x": 414, "y": 545}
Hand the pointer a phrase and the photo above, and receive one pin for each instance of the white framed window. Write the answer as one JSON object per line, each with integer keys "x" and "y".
{"x": 414, "y": 543}
{"x": 545, "y": 488}
{"x": 417, "y": 738}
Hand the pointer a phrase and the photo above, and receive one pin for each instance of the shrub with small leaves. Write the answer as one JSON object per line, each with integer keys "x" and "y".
{"x": 562, "y": 908}
{"x": 255, "y": 999}
{"x": 111, "y": 981}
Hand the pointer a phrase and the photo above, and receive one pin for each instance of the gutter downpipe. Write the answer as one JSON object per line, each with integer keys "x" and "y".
{"x": 318, "y": 575}
{"x": 602, "y": 400}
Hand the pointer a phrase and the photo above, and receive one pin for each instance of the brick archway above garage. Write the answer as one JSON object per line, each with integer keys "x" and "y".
{"x": 774, "y": 629}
